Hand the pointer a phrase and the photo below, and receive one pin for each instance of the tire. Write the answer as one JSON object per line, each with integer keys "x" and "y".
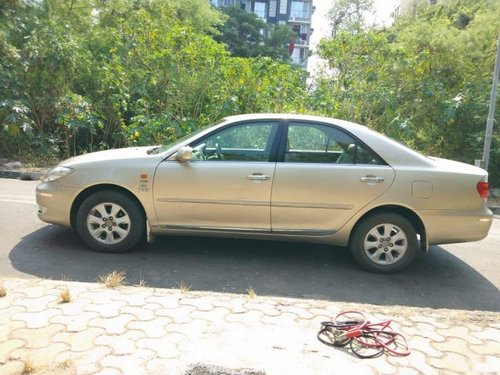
{"x": 110, "y": 221}
{"x": 384, "y": 243}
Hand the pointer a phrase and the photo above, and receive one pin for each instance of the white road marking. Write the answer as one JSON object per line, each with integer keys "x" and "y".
{"x": 17, "y": 199}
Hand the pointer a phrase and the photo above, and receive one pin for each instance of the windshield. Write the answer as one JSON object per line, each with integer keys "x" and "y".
{"x": 167, "y": 146}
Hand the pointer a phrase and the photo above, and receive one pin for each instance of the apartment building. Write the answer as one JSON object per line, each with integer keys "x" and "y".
{"x": 296, "y": 13}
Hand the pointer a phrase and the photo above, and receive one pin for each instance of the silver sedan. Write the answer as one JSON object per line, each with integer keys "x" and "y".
{"x": 273, "y": 176}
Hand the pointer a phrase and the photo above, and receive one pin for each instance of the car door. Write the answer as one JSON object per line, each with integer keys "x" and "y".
{"x": 322, "y": 178}
{"x": 226, "y": 185}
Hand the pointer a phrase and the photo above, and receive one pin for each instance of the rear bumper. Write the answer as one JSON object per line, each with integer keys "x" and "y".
{"x": 54, "y": 202}
{"x": 453, "y": 226}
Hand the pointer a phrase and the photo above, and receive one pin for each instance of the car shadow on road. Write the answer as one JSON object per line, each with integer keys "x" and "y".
{"x": 437, "y": 279}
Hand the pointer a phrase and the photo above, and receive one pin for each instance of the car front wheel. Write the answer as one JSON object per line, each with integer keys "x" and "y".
{"x": 110, "y": 221}
{"x": 384, "y": 243}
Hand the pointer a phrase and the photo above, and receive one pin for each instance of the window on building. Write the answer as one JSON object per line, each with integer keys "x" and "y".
{"x": 300, "y": 9}
{"x": 260, "y": 9}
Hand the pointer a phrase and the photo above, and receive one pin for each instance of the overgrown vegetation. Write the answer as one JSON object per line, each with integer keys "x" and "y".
{"x": 84, "y": 75}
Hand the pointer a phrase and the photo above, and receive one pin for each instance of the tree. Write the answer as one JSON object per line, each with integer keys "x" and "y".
{"x": 242, "y": 33}
{"x": 246, "y": 35}
{"x": 349, "y": 15}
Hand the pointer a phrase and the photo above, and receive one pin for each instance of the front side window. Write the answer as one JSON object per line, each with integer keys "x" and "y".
{"x": 316, "y": 143}
{"x": 243, "y": 142}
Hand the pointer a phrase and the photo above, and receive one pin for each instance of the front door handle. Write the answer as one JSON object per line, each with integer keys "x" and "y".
{"x": 258, "y": 177}
{"x": 372, "y": 179}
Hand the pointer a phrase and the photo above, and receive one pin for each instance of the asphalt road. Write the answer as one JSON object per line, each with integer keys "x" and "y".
{"x": 459, "y": 276}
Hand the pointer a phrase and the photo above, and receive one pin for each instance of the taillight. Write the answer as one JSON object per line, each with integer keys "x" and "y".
{"x": 482, "y": 189}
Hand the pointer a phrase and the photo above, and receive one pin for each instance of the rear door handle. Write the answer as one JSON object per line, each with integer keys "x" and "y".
{"x": 372, "y": 179}
{"x": 258, "y": 177}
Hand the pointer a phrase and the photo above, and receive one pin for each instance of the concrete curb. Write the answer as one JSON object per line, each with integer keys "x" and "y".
{"x": 21, "y": 175}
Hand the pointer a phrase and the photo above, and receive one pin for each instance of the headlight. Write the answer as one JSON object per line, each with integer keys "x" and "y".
{"x": 57, "y": 173}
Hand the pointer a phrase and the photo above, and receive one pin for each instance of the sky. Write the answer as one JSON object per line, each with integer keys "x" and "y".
{"x": 383, "y": 9}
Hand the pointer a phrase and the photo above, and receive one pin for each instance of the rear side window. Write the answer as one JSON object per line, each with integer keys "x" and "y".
{"x": 317, "y": 143}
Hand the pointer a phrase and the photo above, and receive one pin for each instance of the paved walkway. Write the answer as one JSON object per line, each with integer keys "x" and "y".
{"x": 138, "y": 330}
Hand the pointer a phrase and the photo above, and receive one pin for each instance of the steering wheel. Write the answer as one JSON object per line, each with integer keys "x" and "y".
{"x": 218, "y": 151}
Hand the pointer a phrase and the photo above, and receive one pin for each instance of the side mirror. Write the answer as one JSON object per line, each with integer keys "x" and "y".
{"x": 184, "y": 154}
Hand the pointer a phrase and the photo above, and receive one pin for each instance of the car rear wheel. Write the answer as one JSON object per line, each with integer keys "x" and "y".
{"x": 384, "y": 243}
{"x": 110, "y": 221}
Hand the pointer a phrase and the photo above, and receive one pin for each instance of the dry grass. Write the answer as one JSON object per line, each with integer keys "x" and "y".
{"x": 251, "y": 293}
{"x": 113, "y": 280}
{"x": 184, "y": 288}
{"x": 141, "y": 283}
{"x": 28, "y": 367}
{"x": 66, "y": 364}
{"x": 65, "y": 296}
{"x": 3, "y": 291}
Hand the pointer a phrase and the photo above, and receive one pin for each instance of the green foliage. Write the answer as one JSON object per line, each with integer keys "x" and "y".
{"x": 426, "y": 80}
{"x": 79, "y": 76}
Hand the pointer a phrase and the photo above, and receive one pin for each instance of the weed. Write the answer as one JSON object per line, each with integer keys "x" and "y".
{"x": 3, "y": 291}
{"x": 251, "y": 293}
{"x": 184, "y": 287}
{"x": 28, "y": 367}
{"x": 141, "y": 283}
{"x": 112, "y": 280}
{"x": 65, "y": 364}
{"x": 65, "y": 296}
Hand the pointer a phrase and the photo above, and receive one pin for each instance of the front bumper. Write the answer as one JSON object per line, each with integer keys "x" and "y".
{"x": 54, "y": 202}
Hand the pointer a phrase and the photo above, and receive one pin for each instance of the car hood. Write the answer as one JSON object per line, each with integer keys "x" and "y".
{"x": 456, "y": 166}
{"x": 110, "y": 155}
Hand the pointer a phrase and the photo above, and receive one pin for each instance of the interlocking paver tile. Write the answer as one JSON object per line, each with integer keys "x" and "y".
{"x": 416, "y": 360}
{"x": 109, "y": 371}
{"x": 487, "y": 348}
{"x": 36, "y": 319}
{"x": 488, "y": 333}
{"x": 284, "y": 319}
{"x": 424, "y": 345}
{"x": 451, "y": 361}
{"x": 108, "y": 310}
{"x": 88, "y": 362}
{"x": 161, "y": 346}
{"x": 215, "y": 315}
{"x": 41, "y": 356}
{"x": 129, "y": 364}
{"x": 247, "y": 316}
{"x": 75, "y": 323}
{"x": 452, "y": 344}
{"x": 161, "y": 366}
{"x": 79, "y": 341}
{"x": 121, "y": 344}
{"x": 116, "y": 325}
{"x": 37, "y": 337}
{"x": 267, "y": 308}
{"x": 132, "y": 299}
{"x": 8, "y": 327}
{"x": 199, "y": 303}
{"x": 178, "y": 315}
{"x": 37, "y": 304}
{"x": 153, "y": 328}
{"x": 166, "y": 301}
{"x": 100, "y": 296}
{"x": 7, "y": 347}
{"x": 139, "y": 313}
{"x": 11, "y": 368}
{"x": 299, "y": 311}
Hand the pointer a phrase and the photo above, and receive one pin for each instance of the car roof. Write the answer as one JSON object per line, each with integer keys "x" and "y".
{"x": 292, "y": 116}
